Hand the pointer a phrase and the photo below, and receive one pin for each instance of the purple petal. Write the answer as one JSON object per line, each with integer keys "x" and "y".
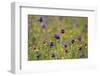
{"x": 41, "y": 19}
{"x": 51, "y": 44}
{"x": 43, "y": 26}
{"x": 57, "y": 36}
{"x": 80, "y": 37}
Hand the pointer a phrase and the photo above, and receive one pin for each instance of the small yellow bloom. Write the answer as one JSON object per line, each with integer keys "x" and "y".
{"x": 86, "y": 47}
{"x": 49, "y": 30}
{"x": 62, "y": 58}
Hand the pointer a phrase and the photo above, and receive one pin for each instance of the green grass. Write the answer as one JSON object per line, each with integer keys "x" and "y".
{"x": 41, "y": 34}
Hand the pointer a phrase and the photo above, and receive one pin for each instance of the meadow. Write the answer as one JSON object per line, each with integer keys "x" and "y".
{"x": 57, "y": 37}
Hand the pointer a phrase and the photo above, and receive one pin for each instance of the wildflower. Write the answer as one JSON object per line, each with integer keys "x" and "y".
{"x": 80, "y": 37}
{"x": 43, "y": 26}
{"x": 73, "y": 40}
{"x": 57, "y": 36}
{"x": 80, "y": 47}
{"x": 51, "y": 44}
{"x": 65, "y": 45}
{"x": 41, "y": 19}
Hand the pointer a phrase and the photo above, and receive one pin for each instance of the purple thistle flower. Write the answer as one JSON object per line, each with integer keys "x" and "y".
{"x": 43, "y": 26}
{"x": 51, "y": 44}
{"x": 80, "y": 37}
{"x": 57, "y": 36}
{"x": 41, "y": 19}
{"x": 65, "y": 45}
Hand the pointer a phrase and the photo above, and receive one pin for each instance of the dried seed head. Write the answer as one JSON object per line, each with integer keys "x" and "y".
{"x": 72, "y": 41}
{"x": 80, "y": 47}
{"x": 65, "y": 45}
{"x": 62, "y": 31}
{"x": 66, "y": 50}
